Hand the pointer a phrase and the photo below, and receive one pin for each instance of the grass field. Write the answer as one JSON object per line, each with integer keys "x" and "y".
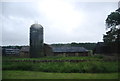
{"x": 44, "y": 75}
{"x": 61, "y": 70}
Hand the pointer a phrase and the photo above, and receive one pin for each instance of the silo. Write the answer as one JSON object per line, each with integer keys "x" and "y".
{"x": 36, "y": 41}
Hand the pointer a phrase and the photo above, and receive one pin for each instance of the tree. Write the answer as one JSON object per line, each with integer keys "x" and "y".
{"x": 112, "y": 22}
{"x": 113, "y": 19}
{"x": 112, "y": 37}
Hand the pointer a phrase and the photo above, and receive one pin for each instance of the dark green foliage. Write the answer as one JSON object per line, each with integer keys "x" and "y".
{"x": 17, "y": 66}
{"x": 112, "y": 37}
{"x": 64, "y": 67}
{"x": 99, "y": 56}
{"x": 113, "y": 19}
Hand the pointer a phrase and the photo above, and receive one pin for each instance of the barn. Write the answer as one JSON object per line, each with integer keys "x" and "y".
{"x": 70, "y": 51}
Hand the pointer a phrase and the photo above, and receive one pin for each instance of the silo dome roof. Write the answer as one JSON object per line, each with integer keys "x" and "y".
{"x": 36, "y": 26}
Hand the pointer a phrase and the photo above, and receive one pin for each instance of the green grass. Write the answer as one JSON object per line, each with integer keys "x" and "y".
{"x": 43, "y": 75}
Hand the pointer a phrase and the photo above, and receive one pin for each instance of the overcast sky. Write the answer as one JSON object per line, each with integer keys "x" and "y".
{"x": 64, "y": 21}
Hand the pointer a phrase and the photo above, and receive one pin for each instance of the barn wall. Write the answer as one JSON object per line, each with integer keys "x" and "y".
{"x": 24, "y": 55}
{"x": 47, "y": 50}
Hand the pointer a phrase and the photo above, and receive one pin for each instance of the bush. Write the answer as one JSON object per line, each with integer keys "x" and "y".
{"x": 17, "y": 66}
{"x": 99, "y": 56}
{"x": 64, "y": 67}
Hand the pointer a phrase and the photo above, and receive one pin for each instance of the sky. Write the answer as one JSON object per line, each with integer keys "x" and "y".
{"x": 64, "y": 21}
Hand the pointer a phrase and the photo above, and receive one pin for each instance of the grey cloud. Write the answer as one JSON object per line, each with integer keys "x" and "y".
{"x": 19, "y": 16}
{"x": 20, "y": 9}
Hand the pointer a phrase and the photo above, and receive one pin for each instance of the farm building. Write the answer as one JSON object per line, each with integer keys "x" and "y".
{"x": 11, "y": 52}
{"x": 36, "y": 41}
{"x": 70, "y": 51}
{"x": 103, "y": 48}
{"x": 48, "y": 50}
{"x": 38, "y": 49}
{"x": 57, "y": 51}
{"x": 24, "y": 52}
{"x": 98, "y": 48}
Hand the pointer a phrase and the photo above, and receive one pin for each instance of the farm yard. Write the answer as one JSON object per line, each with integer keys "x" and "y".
{"x": 91, "y": 67}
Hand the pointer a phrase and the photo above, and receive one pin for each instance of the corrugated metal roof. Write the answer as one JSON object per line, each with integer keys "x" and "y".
{"x": 69, "y": 49}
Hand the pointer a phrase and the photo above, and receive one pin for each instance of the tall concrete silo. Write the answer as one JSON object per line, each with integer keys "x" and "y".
{"x": 36, "y": 41}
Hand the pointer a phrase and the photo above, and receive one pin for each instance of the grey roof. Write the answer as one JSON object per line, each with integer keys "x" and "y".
{"x": 10, "y": 49}
{"x": 25, "y": 49}
{"x": 69, "y": 49}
